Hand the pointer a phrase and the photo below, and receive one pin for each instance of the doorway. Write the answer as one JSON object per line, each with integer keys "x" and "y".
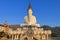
{"x": 34, "y": 38}
{"x": 26, "y": 38}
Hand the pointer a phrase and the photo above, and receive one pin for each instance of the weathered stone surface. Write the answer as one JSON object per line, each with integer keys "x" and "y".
{"x": 3, "y": 38}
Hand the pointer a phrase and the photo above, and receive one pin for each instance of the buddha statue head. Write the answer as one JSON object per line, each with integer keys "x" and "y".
{"x": 30, "y": 10}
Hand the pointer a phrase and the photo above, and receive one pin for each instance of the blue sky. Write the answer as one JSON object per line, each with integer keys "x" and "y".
{"x": 47, "y": 12}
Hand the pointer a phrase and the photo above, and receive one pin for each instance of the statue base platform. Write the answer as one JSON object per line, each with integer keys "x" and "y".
{"x": 36, "y": 25}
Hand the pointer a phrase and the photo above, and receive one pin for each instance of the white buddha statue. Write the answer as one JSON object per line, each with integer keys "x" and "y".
{"x": 30, "y": 19}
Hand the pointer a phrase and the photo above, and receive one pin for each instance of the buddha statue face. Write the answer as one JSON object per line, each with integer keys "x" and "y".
{"x": 30, "y": 12}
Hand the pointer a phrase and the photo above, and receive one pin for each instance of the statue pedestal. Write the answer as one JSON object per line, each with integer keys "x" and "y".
{"x": 36, "y": 25}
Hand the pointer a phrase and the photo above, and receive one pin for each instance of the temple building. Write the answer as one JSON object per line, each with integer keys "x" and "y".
{"x": 30, "y": 30}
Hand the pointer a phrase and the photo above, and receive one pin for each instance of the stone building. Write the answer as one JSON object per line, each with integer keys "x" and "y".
{"x": 30, "y": 30}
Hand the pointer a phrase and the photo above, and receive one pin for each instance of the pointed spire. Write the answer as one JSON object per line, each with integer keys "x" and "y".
{"x": 5, "y": 24}
{"x": 29, "y": 5}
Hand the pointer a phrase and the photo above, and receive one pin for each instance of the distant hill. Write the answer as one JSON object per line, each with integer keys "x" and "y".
{"x": 15, "y": 26}
{"x": 1, "y": 25}
{"x": 55, "y": 30}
